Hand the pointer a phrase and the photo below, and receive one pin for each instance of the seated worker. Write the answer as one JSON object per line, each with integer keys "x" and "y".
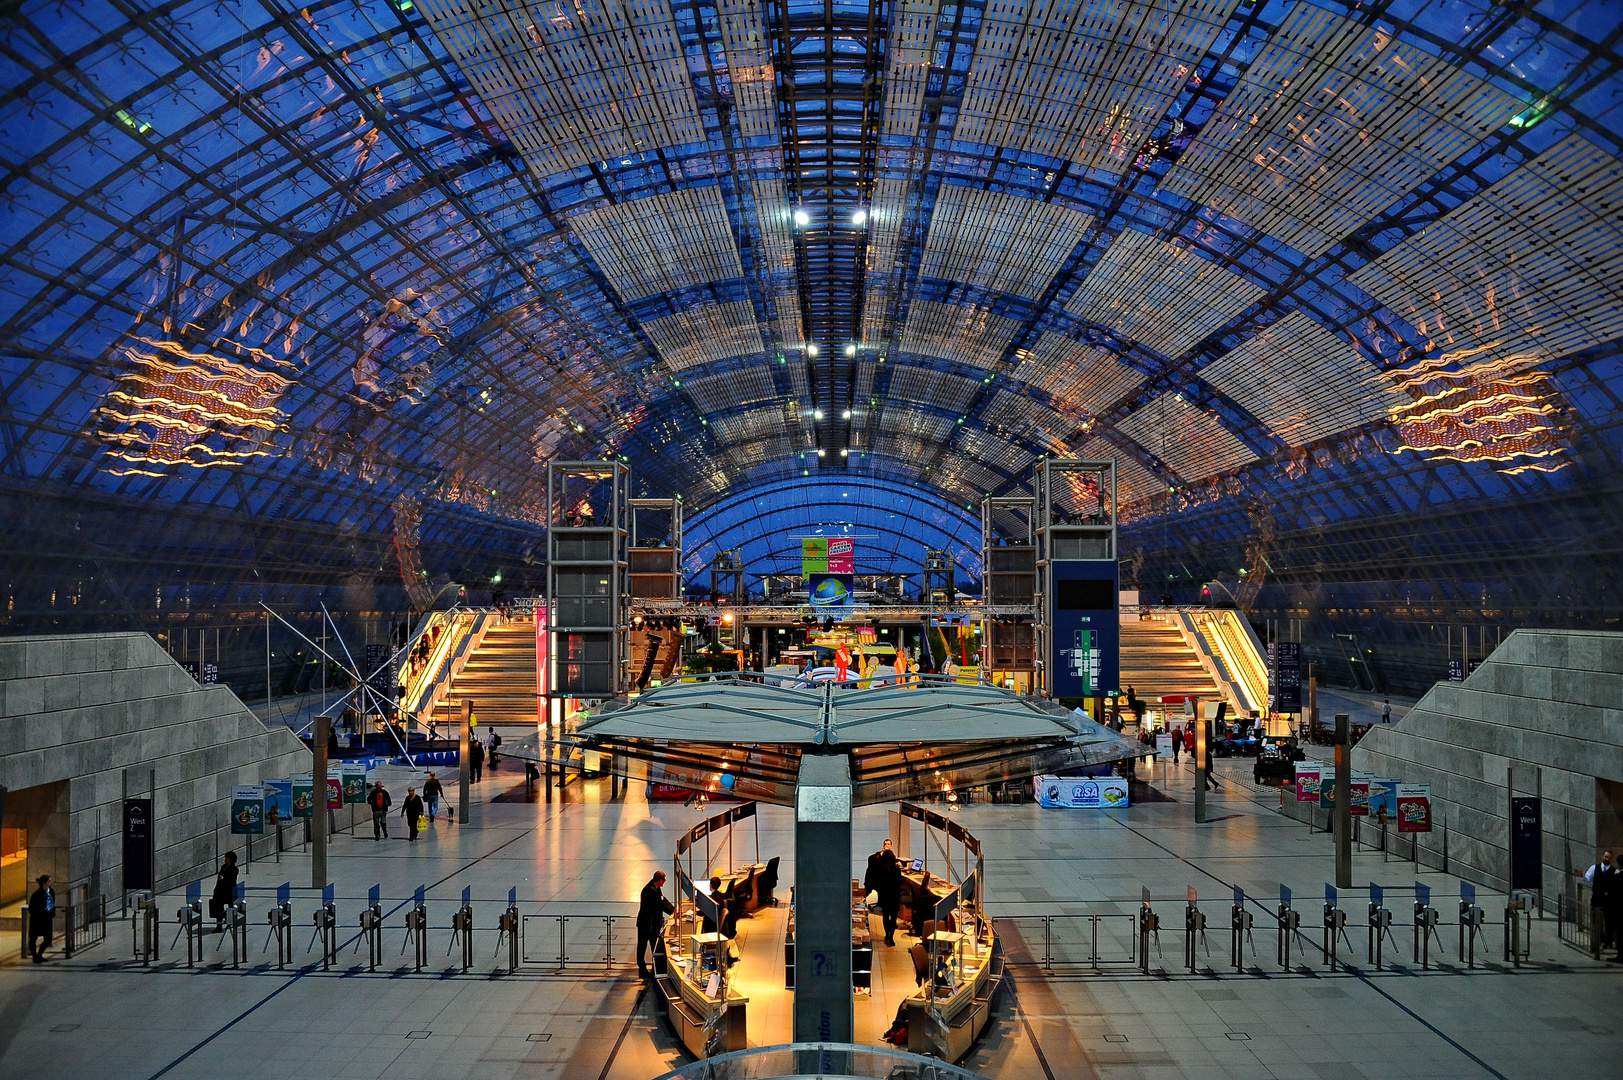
{"x": 923, "y": 906}
{"x": 726, "y": 907}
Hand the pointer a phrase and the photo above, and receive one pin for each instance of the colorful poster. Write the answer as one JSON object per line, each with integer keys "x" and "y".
{"x": 302, "y": 802}
{"x": 354, "y": 776}
{"x": 830, "y": 590}
{"x": 1414, "y": 808}
{"x": 814, "y": 555}
{"x": 335, "y": 792}
{"x": 1327, "y": 788}
{"x": 247, "y": 811}
{"x": 1081, "y": 792}
{"x": 1360, "y": 793}
{"x": 1307, "y": 781}
{"x": 842, "y": 555}
{"x": 1383, "y": 802}
{"x": 540, "y": 653}
{"x": 278, "y": 800}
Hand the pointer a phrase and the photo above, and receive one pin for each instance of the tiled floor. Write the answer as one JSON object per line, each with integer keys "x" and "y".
{"x": 100, "y": 1015}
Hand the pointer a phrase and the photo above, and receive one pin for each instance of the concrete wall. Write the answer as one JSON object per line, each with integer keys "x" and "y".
{"x": 1547, "y": 704}
{"x": 86, "y": 708}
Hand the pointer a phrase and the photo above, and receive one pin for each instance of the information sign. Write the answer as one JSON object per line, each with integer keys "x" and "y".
{"x": 1163, "y": 746}
{"x": 137, "y": 844}
{"x": 1456, "y": 671}
{"x": 1414, "y": 808}
{"x": 247, "y": 810}
{"x": 1526, "y": 843}
{"x": 211, "y": 673}
{"x": 1087, "y": 628}
{"x": 1285, "y": 676}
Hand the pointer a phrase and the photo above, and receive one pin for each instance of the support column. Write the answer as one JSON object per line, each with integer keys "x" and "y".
{"x": 318, "y": 799}
{"x": 1202, "y": 748}
{"x": 822, "y": 1009}
{"x": 464, "y": 767}
{"x": 1343, "y": 807}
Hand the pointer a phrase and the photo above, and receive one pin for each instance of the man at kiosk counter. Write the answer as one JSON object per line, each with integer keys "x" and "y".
{"x": 651, "y": 912}
{"x": 885, "y": 878}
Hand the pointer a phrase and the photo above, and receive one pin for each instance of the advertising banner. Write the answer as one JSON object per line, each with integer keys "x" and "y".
{"x": 1327, "y": 788}
{"x": 335, "y": 791}
{"x": 247, "y": 811}
{"x": 1307, "y": 781}
{"x": 830, "y": 590}
{"x": 541, "y": 650}
{"x": 1081, "y": 792}
{"x": 1414, "y": 808}
{"x": 1383, "y": 798}
{"x": 278, "y": 800}
{"x": 1360, "y": 793}
{"x": 842, "y": 555}
{"x": 1087, "y": 628}
{"x": 814, "y": 555}
{"x": 354, "y": 777}
{"x": 302, "y": 801}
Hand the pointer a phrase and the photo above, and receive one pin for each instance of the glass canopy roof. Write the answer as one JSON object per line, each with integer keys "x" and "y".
{"x": 297, "y": 291}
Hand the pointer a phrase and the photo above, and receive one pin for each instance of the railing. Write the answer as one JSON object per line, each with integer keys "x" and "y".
{"x": 83, "y": 921}
{"x": 1097, "y": 941}
{"x": 462, "y": 631}
{"x": 1575, "y": 920}
{"x": 819, "y": 1059}
{"x": 1211, "y": 661}
{"x": 1242, "y": 654}
{"x": 594, "y": 941}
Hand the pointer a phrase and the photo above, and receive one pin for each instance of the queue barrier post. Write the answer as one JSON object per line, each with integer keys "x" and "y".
{"x": 1335, "y": 928}
{"x": 280, "y": 919}
{"x": 1426, "y": 919}
{"x": 1518, "y": 928}
{"x": 1290, "y": 925}
{"x": 144, "y": 928}
{"x": 190, "y": 918}
{"x": 1148, "y": 923}
{"x": 508, "y": 926}
{"x": 1194, "y": 922}
{"x": 236, "y": 919}
{"x": 1380, "y": 927}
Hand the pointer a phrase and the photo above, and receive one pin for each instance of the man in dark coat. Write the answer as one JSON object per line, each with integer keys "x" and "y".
{"x": 225, "y": 891}
{"x": 412, "y": 810}
{"x": 885, "y": 878}
{"x": 41, "y": 913}
{"x": 651, "y": 912}
{"x": 380, "y": 801}
{"x": 476, "y": 759}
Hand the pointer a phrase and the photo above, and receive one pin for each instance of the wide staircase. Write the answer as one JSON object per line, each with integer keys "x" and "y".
{"x": 1157, "y": 661}
{"x": 499, "y": 677}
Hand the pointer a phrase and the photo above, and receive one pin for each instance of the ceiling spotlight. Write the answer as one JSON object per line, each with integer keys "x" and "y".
{"x": 811, "y": 350}
{"x": 817, "y": 414}
{"x": 820, "y": 451}
{"x": 846, "y": 415}
{"x": 860, "y": 218}
{"x": 802, "y": 218}
{"x": 850, "y": 350}
{"x": 844, "y": 452}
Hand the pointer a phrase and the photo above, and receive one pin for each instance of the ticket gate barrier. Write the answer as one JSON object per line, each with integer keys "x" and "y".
{"x": 1471, "y": 920}
{"x": 417, "y": 931}
{"x": 1426, "y": 919}
{"x": 1240, "y": 922}
{"x": 280, "y": 919}
{"x": 462, "y": 930}
{"x": 236, "y": 927}
{"x": 1148, "y": 923}
{"x": 1518, "y": 928}
{"x": 372, "y": 930}
{"x": 190, "y": 918}
{"x": 1194, "y": 922}
{"x": 507, "y": 926}
{"x": 326, "y": 929}
{"x": 1335, "y": 928}
{"x": 144, "y": 928}
{"x": 1380, "y": 926}
{"x": 1290, "y": 925}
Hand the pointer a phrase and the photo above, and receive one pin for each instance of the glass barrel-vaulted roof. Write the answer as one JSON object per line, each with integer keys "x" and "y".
{"x": 352, "y": 271}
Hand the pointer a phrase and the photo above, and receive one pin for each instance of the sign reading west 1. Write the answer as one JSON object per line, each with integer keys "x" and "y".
{"x": 1087, "y": 628}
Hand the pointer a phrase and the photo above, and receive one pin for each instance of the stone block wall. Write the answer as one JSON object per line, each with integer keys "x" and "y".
{"x": 87, "y": 708}
{"x": 1546, "y": 705}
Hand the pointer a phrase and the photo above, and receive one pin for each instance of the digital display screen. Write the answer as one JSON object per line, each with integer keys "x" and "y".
{"x": 1085, "y": 596}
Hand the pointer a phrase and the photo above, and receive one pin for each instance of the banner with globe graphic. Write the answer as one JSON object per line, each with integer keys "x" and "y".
{"x": 830, "y": 590}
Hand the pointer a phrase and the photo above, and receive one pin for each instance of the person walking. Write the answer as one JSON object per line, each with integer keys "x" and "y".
{"x": 1177, "y": 743}
{"x": 476, "y": 759}
{"x": 884, "y": 877}
{"x": 41, "y": 914}
{"x": 225, "y": 891}
{"x": 411, "y": 808}
{"x": 1604, "y": 879}
{"x": 651, "y": 911}
{"x": 432, "y": 792}
{"x": 495, "y": 748}
{"x": 378, "y": 799}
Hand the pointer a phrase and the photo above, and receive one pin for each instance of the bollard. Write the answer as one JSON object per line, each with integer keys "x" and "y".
{"x": 1289, "y": 924}
{"x": 1240, "y": 926}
